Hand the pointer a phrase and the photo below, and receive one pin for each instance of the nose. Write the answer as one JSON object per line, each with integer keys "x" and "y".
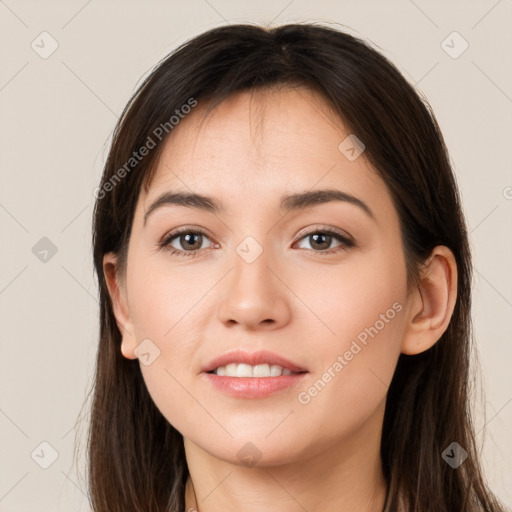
{"x": 255, "y": 295}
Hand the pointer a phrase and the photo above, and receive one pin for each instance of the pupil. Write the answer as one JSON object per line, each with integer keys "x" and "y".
{"x": 321, "y": 235}
{"x": 187, "y": 238}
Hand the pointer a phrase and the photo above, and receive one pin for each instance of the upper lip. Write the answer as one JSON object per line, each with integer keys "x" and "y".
{"x": 252, "y": 358}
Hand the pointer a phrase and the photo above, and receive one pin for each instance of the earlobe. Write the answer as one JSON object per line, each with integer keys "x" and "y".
{"x": 117, "y": 293}
{"x": 432, "y": 303}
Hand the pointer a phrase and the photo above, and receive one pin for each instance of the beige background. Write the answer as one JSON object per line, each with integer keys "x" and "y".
{"x": 57, "y": 114}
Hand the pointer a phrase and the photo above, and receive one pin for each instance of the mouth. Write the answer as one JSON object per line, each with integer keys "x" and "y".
{"x": 252, "y": 375}
{"x": 239, "y": 363}
{"x": 256, "y": 371}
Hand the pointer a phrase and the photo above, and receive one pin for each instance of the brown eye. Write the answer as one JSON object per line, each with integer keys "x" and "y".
{"x": 192, "y": 241}
{"x": 321, "y": 240}
{"x": 186, "y": 242}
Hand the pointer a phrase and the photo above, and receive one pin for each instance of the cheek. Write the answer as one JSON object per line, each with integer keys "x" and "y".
{"x": 362, "y": 310}
{"x": 164, "y": 299}
{"x": 169, "y": 309}
{"x": 347, "y": 299}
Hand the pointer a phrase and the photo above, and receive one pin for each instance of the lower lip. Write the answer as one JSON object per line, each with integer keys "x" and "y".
{"x": 253, "y": 387}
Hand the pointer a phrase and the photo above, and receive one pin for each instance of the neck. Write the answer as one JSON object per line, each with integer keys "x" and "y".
{"x": 346, "y": 477}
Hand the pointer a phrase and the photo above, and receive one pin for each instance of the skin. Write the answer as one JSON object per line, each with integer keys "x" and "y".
{"x": 292, "y": 300}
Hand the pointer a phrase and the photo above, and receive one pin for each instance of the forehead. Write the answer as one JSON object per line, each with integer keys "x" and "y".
{"x": 257, "y": 144}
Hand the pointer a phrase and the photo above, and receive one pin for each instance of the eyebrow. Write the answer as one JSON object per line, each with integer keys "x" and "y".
{"x": 297, "y": 201}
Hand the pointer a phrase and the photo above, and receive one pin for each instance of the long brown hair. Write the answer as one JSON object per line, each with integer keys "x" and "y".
{"x": 136, "y": 458}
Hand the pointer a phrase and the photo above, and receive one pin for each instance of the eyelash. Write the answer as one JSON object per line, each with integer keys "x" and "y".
{"x": 346, "y": 243}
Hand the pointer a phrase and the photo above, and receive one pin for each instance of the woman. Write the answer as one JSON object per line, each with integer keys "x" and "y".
{"x": 285, "y": 293}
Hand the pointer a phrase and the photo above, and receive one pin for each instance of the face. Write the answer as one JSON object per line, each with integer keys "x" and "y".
{"x": 320, "y": 284}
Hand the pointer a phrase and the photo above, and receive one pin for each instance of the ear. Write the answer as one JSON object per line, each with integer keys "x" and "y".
{"x": 117, "y": 291}
{"x": 431, "y": 305}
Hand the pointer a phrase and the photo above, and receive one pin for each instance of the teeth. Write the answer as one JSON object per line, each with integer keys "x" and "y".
{"x": 246, "y": 370}
{"x": 242, "y": 370}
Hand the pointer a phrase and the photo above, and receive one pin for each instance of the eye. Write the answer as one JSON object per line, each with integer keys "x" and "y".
{"x": 191, "y": 241}
{"x": 321, "y": 240}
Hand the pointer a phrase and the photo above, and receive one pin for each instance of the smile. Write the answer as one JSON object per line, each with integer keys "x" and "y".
{"x": 247, "y": 370}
